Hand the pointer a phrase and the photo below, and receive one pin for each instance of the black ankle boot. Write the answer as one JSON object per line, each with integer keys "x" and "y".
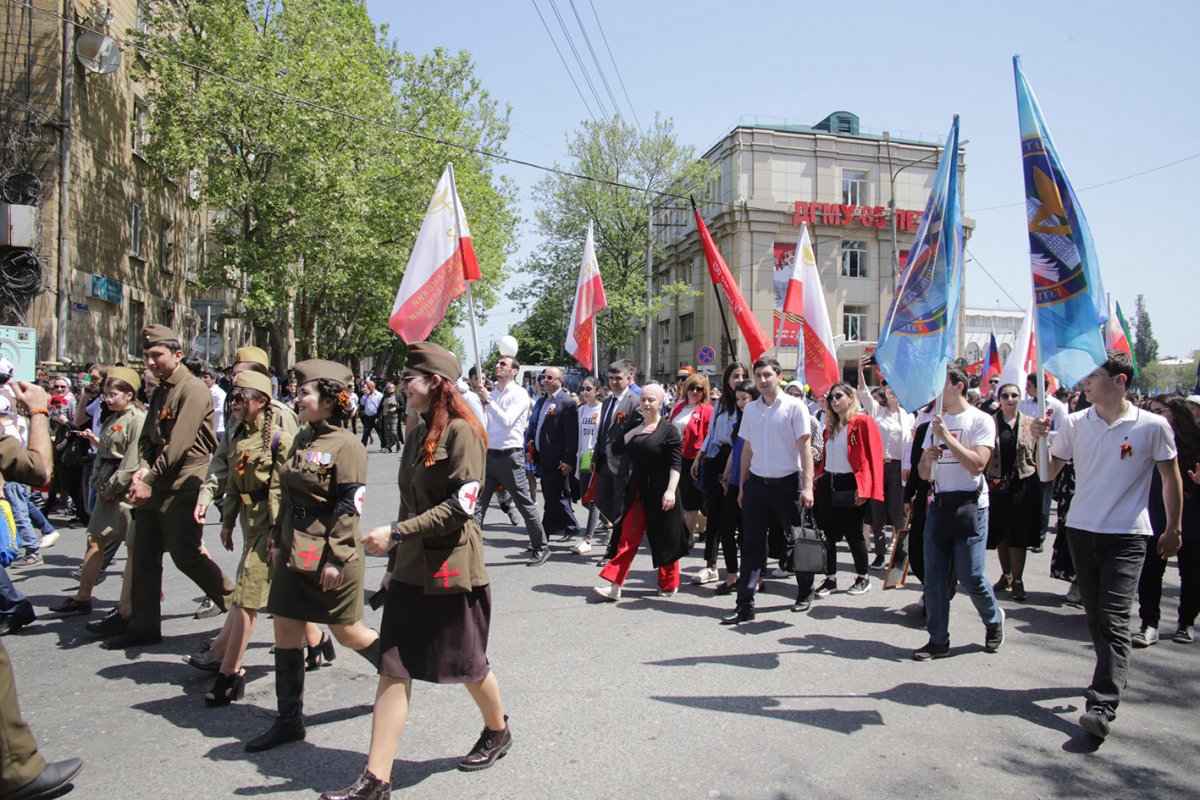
{"x": 289, "y": 697}
{"x": 490, "y": 748}
{"x": 371, "y": 653}
{"x": 367, "y": 787}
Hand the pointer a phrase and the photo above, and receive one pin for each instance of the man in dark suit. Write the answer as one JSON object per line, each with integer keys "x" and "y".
{"x": 611, "y": 470}
{"x": 556, "y": 441}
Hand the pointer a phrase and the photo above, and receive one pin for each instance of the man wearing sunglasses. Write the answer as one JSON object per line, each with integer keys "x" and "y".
{"x": 556, "y": 447}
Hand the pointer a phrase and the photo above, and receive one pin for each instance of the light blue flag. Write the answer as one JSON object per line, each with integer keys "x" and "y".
{"x": 918, "y": 340}
{"x": 1068, "y": 294}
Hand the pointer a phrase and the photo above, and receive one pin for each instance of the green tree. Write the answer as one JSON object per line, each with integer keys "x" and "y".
{"x": 1145, "y": 346}
{"x": 315, "y": 212}
{"x": 614, "y": 151}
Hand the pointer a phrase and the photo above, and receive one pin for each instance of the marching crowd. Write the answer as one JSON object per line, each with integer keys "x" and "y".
{"x": 143, "y": 456}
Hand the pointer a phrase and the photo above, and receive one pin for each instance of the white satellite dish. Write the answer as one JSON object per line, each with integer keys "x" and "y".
{"x": 508, "y": 346}
{"x": 97, "y": 53}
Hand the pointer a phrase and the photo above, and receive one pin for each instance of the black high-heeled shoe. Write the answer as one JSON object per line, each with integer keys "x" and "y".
{"x": 321, "y": 653}
{"x": 227, "y": 689}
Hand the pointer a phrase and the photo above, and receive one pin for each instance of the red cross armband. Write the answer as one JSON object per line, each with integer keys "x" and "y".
{"x": 350, "y": 499}
{"x": 463, "y": 497}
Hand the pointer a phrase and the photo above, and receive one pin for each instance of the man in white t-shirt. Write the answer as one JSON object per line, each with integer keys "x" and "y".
{"x": 218, "y": 400}
{"x": 776, "y": 479}
{"x": 959, "y": 441}
{"x": 1115, "y": 447}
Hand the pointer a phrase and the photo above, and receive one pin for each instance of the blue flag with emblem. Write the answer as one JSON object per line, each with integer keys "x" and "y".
{"x": 1069, "y": 299}
{"x": 918, "y": 338}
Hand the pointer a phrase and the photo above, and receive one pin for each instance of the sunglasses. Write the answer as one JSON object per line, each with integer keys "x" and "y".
{"x": 696, "y": 389}
{"x": 1010, "y": 396}
{"x": 680, "y": 378}
{"x": 994, "y": 380}
{"x": 236, "y": 399}
{"x": 838, "y": 396}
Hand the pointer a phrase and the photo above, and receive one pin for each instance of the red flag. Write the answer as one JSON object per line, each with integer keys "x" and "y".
{"x": 589, "y": 299}
{"x": 441, "y": 263}
{"x": 992, "y": 366}
{"x": 756, "y": 339}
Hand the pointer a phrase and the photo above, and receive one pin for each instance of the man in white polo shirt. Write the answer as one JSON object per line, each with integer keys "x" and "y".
{"x": 776, "y": 477}
{"x": 1115, "y": 446}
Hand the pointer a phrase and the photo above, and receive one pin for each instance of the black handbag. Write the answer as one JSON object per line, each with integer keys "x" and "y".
{"x": 807, "y": 545}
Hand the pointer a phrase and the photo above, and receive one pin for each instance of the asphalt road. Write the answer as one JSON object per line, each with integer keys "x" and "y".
{"x": 648, "y": 697}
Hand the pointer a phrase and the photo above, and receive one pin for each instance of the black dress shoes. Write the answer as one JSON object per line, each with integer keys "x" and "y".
{"x": 367, "y": 787}
{"x": 110, "y": 623}
{"x": 538, "y": 557}
{"x": 490, "y": 748}
{"x": 51, "y": 782}
{"x": 741, "y": 615}
{"x": 125, "y": 640}
{"x": 15, "y": 622}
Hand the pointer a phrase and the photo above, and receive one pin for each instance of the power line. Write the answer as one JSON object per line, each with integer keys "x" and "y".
{"x": 563, "y": 60}
{"x": 578, "y": 60}
{"x": 616, "y": 69}
{"x": 599, "y": 69}
{"x": 975, "y": 258}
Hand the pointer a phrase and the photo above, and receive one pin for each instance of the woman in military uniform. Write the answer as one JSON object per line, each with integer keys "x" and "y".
{"x": 255, "y": 458}
{"x": 435, "y": 623}
{"x": 116, "y": 461}
{"x": 317, "y": 556}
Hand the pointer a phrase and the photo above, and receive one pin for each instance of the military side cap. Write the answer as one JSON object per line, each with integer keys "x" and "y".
{"x": 433, "y": 359}
{"x": 253, "y": 380}
{"x": 252, "y": 354}
{"x": 126, "y": 374}
{"x": 319, "y": 368}
{"x": 155, "y": 334}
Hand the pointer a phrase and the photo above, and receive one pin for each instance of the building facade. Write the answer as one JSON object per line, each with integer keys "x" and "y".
{"x": 119, "y": 246}
{"x": 847, "y": 186}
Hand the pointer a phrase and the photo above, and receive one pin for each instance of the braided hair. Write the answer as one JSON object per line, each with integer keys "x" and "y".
{"x": 339, "y": 395}
{"x": 268, "y": 424}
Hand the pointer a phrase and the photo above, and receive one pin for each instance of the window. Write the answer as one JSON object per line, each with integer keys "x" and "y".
{"x": 845, "y": 125}
{"x": 166, "y": 247}
{"x": 137, "y": 321}
{"x": 854, "y": 187}
{"x": 141, "y": 19}
{"x": 854, "y": 323}
{"x": 687, "y": 327}
{"x": 664, "y": 331}
{"x": 192, "y": 258}
{"x": 137, "y": 230}
{"x": 854, "y": 259}
{"x": 140, "y": 135}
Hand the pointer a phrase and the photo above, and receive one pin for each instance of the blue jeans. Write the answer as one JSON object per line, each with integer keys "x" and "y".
{"x": 17, "y": 495}
{"x": 967, "y": 556}
{"x": 39, "y": 519}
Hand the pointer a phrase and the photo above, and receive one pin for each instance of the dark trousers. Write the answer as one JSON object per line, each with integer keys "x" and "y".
{"x": 507, "y": 470}
{"x": 1150, "y": 584}
{"x": 1107, "y": 568}
{"x": 763, "y": 505}
{"x": 840, "y": 523}
{"x": 730, "y": 529}
{"x": 559, "y": 514}
{"x": 890, "y": 510}
{"x": 168, "y": 525}
{"x": 371, "y": 423}
{"x": 19, "y": 759}
{"x": 13, "y": 603}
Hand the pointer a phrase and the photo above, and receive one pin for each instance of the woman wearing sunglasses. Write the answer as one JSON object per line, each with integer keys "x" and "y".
{"x": 691, "y": 416}
{"x": 1015, "y": 492}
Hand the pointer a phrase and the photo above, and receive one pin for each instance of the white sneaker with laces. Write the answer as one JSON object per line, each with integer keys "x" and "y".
{"x": 706, "y": 575}
{"x": 1184, "y": 635}
{"x": 582, "y": 548}
{"x": 1145, "y": 637}
{"x": 610, "y": 592}
{"x": 49, "y": 539}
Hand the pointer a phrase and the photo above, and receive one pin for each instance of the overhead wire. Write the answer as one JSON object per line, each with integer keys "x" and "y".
{"x": 587, "y": 78}
{"x": 999, "y": 285}
{"x": 616, "y": 69}
{"x": 587, "y": 40}
{"x": 563, "y": 60}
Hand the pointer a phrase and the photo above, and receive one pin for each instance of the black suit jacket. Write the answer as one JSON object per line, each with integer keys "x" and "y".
{"x": 558, "y": 440}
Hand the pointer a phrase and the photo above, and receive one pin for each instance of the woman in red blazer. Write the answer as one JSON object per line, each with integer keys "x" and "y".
{"x": 849, "y": 474}
{"x": 691, "y": 416}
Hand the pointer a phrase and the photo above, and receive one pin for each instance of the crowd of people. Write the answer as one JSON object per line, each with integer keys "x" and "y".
{"x": 145, "y": 454}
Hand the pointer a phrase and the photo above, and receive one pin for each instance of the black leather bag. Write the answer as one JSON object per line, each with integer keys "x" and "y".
{"x": 807, "y": 546}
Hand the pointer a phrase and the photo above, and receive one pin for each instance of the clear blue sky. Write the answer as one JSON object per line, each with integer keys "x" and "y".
{"x": 1117, "y": 84}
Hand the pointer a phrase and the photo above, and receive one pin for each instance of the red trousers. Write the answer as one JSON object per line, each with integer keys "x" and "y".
{"x": 633, "y": 528}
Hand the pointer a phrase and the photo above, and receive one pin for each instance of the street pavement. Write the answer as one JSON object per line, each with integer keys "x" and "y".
{"x": 645, "y": 698}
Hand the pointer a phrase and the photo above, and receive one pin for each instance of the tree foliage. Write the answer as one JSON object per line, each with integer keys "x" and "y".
{"x": 1145, "y": 346}
{"x": 314, "y": 213}
{"x": 612, "y": 150}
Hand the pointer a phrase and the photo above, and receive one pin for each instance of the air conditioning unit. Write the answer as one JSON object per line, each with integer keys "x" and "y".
{"x": 18, "y": 226}
{"x": 19, "y": 345}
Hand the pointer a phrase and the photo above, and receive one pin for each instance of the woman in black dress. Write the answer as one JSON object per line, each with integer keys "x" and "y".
{"x": 1014, "y": 493}
{"x": 438, "y": 612}
{"x": 652, "y": 507}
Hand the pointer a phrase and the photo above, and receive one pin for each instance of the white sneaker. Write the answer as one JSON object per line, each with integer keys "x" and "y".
{"x": 582, "y": 547}
{"x": 1145, "y": 637}
{"x": 706, "y": 575}
{"x": 777, "y": 573}
{"x": 610, "y": 592}
{"x": 49, "y": 539}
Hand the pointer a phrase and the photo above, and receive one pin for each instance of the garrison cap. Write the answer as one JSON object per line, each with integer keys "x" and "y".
{"x": 318, "y": 368}
{"x": 252, "y": 354}
{"x": 433, "y": 359}
{"x": 126, "y": 374}
{"x": 253, "y": 380}
{"x": 155, "y": 334}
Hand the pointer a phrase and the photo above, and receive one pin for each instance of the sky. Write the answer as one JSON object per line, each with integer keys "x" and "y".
{"x": 1116, "y": 85}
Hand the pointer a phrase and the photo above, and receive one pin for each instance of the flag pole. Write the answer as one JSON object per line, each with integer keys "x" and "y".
{"x": 721, "y": 308}
{"x": 1043, "y": 450}
{"x": 470, "y": 298}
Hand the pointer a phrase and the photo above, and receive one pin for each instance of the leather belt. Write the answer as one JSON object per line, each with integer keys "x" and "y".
{"x": 257, "y": 496}
{"x": 786, "y": 479}
{"x": 311, "y": 512}
{"x": 505, "y": 452}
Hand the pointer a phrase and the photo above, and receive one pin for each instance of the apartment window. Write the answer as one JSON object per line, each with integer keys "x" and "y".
{"x": 687, "y": 327}
{"x": 141, "y": 19}
{"x": 140, "y": 134}
{"x": 192, "y": 259}
{"x": 854, "y": 323}
{"x": 854, "y": 259}
{"x": 166, "y": 246}
{"x": 854, "y": 187}
{"x": 664, "y": 331}
{"x": 137, "y": 230}
{"x": 137, "y": 321}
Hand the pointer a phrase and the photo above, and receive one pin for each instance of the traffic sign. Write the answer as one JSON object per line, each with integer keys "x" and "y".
{"x": 706, "y": 355}
{"x": 707, "y": 369}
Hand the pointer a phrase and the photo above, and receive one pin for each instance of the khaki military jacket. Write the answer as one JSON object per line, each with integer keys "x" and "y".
{"x": 18, "y": 464}
{"x": 177, "y": 437}
{"x": 253, "y": 469}
{"x": 117, "y": 453}
{"x": 218, "y": 471}
{"x": 325, "y": 473}
{"x": 442, "y": 548}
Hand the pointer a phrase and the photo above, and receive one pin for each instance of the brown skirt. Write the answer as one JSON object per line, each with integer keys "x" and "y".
{"x": 435, "y": 638}
{"x": 298, "y": 595}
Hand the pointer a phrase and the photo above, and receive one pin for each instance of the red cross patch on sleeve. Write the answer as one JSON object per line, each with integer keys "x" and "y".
{"x": 468, "y": 496}
{"x": 359, "y": 497}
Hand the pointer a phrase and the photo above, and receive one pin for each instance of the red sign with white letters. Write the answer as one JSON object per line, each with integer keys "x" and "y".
{"x": 845, "y": 215}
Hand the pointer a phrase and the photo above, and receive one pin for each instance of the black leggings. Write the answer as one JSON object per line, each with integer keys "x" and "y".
{"x": 840, "y": 523}
{"x": 731, "y": 531}
{"x": 1150, "y": 584}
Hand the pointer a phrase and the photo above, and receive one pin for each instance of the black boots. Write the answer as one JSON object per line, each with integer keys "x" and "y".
{"x": 289, "y": 696}
{"x": 490, "y": 748}
{"x": 367, "y": 787}
{"x": 323, "y": 653}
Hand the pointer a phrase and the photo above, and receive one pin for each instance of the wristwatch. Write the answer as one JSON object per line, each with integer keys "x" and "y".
{"x": 397, "y": 535}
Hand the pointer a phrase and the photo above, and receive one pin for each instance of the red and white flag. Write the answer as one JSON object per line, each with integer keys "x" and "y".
{"x": 441, "y": 263}
{"x": 756, "y": 339}
{"x": 805, "y": 297}
{"x": 589, "y": 299}
{"x": 1114, "y": 333}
